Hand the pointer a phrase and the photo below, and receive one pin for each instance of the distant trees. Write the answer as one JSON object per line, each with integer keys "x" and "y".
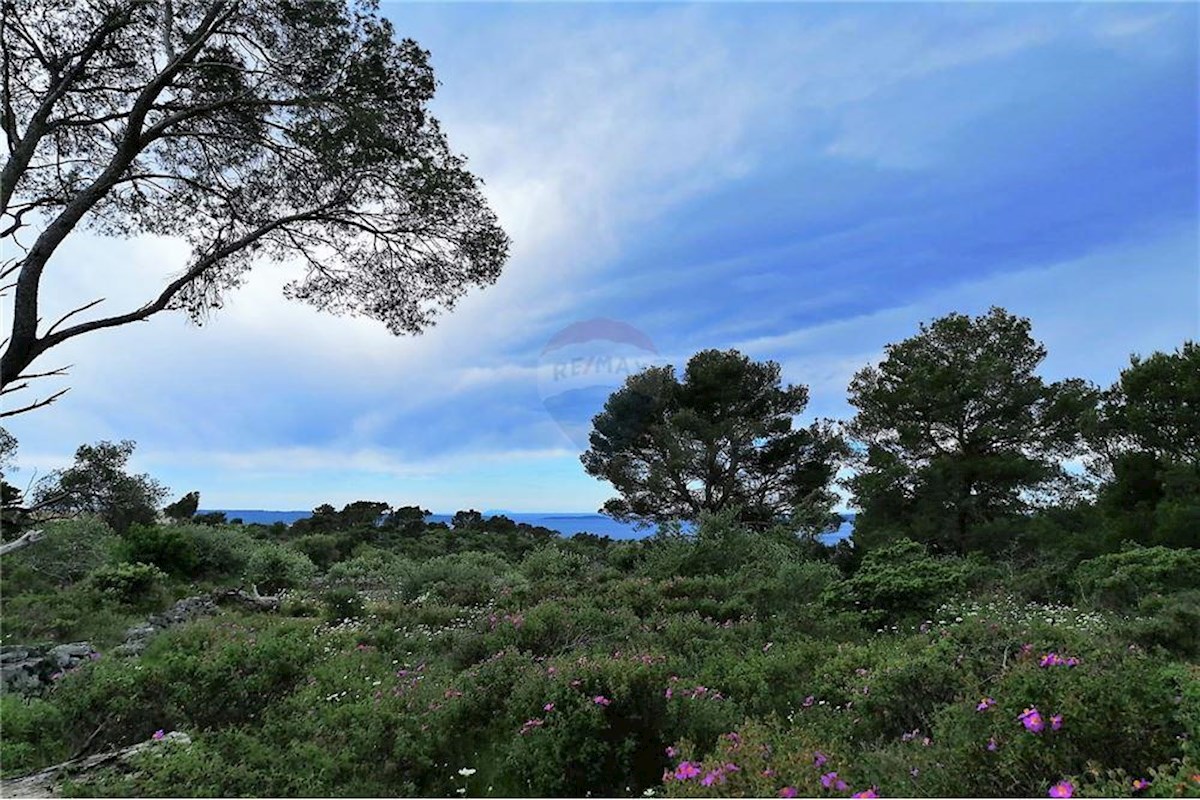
{"x": 97, "y": 483}
{"x": 955, "y": 432}
{"x": 296, "y": 132}
{"x": 1147, "y": 430}
{"x": 723, "y": 437}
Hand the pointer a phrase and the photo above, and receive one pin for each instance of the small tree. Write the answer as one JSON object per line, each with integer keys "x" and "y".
{"x": 183, "y": 508}
{"x": 98, "y": 484}
{"x": 722, "y": 438}
{"x": 955, "y": 432}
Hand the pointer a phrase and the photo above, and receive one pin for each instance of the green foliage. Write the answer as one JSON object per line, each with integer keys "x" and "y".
{"x": 34, "y": 734}
{"x": 274, "y": 567}
{"x": 98, "y": 484}
{"x": 67, "y": 551}
{"x": 466, "y": 579}
{"x": 342, "y": 603}
{"x": 901, "y": 579}
{"x": 956, "y": 429}
{"x": 135, "y": 584}
{"x": 164, "y": 546}
{"x": 1121, "y": 580}
{"x": 721, "y": 438}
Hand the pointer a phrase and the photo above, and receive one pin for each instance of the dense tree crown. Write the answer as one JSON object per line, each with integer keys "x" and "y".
{"x": 956, "y": 432}
{"x": 722, "y": 437}
{"x": 1147, "y": 432}
{"x": 97, "y": 483}
{"x": 288, "y": 130}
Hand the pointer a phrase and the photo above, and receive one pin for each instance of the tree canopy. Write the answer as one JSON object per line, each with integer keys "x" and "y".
{"x": 723, "y": 437}
{"x": 956, "y": 431}
{"x": 97, "y": 483}
{"x": 284, "y": 130}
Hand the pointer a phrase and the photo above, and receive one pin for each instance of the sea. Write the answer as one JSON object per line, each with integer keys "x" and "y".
{"x": 567, "y": 524}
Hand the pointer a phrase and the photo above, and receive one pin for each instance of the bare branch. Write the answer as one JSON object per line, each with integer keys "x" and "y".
{"x": 70, "y": 314}
{"x": 38, "y": 404}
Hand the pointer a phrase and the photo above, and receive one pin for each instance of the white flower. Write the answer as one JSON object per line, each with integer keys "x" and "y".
{"x": 466, "y": 772}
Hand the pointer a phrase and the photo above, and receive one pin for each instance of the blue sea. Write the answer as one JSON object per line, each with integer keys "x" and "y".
{"x": 565, "y": 523}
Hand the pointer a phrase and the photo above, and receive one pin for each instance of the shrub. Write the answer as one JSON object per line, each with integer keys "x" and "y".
{"x": 342, "y": 603}
{"x": 68, "y": 550}
{"x": 273, "y": 567}
{"x": 130, "y": 584}
{"x": 166, "y": 547}
{"x": 901, "y": 579}
{"x": 467, "y": 579}
{"x": 1121, "y": 580}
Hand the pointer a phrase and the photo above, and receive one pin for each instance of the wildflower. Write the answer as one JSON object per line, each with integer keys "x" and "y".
{"x": 159, "y": 735}
{"x": 1056, "y": 722}
{"x": 728, "y": 767}
{"x": 601, "y": 700}
{"x": 668, "y": 693}
{"x": 94, "y": 656}
{"x": 548, "y": 707}
{"x": 808, "y": 701}
{"x": 819, "y": 759}
{"x": 768, "y": 773}
{"x": 672, "y": 752}
{"x": 868, "y": 793}
{"x": 686, "y": 771}
{"x": 788, "y": 791}
{"x": 767, "y": 646}
{"x": 992, "y": 745}
{"x": 830, "y": 780}
{"x": 915, "y": 771}
{"x": 1031, "y": 718}
{"x": 985, "y": 704}
{"x": 713, "y": 777}
{"x": 1062, "y": 789}
{"x": 1139, "y": 784}
{"x": 466, "y": 772}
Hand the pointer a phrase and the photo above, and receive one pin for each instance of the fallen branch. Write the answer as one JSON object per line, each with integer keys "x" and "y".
{"x": 24, "y": 540}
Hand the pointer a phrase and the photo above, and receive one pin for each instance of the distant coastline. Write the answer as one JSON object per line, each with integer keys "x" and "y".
{"x": 566, "y": 523}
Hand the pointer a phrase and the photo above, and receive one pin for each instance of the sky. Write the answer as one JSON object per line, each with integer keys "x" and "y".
{"x": 802, "y": 182}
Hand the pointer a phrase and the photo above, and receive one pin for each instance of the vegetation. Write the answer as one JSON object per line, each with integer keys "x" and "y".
{"x": 723, "y": 437}
{"x": 990, "y": 630}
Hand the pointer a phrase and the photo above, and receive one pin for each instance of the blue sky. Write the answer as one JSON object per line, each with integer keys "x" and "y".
{"x": 803, "y": 182}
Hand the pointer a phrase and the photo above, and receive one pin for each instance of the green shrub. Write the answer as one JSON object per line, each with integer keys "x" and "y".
{"x": 1121, "y": 580}
{"x": 165, "y": 546}
{"x": 68, "y": 550}
{"x": 134, "y": 584}
{"x": 273, "y": 567}
{"x": 901, "y": 580}
{"x": 1171, "y": 622}
{"x": 35, "y": 734}
{"x": 342, "y": 603}
{"x": 467, "y": 579}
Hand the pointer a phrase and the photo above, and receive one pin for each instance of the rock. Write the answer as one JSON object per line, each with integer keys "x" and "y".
{"x": 44, "y": 783}
{"x": 28, "y": 669}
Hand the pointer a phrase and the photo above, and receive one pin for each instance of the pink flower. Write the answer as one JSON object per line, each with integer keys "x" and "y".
{"x": 830, "y": 780}
{"x": 767, "y": 646}
{"x": 808, "y": 701}
{"x": 1031, "y": 718}
{"x": 868, "y": 793}
{"x": 788, "y": 791}
{"x": 1139, "y": 784}
{"x": 668, "y": 693}
{"x": 686, "y": 771}
{"x": 672, "y": 752}
{"x": 716, "y": 776}
{"x": 576, "y": 682}
{"x": 1062, "y": 789}
{"x": 992, "y": 745}
{"x": 985, "y": 704}
{"x": 159, "y": 735}
{"x": 601, "y": 700}
{"x": 728, "y": 767}
{"x": 768, "y": 773}
{"x": 548, "y": 707}
{"x": 819, "y": 759}
{"x": 1056, "y": 722}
